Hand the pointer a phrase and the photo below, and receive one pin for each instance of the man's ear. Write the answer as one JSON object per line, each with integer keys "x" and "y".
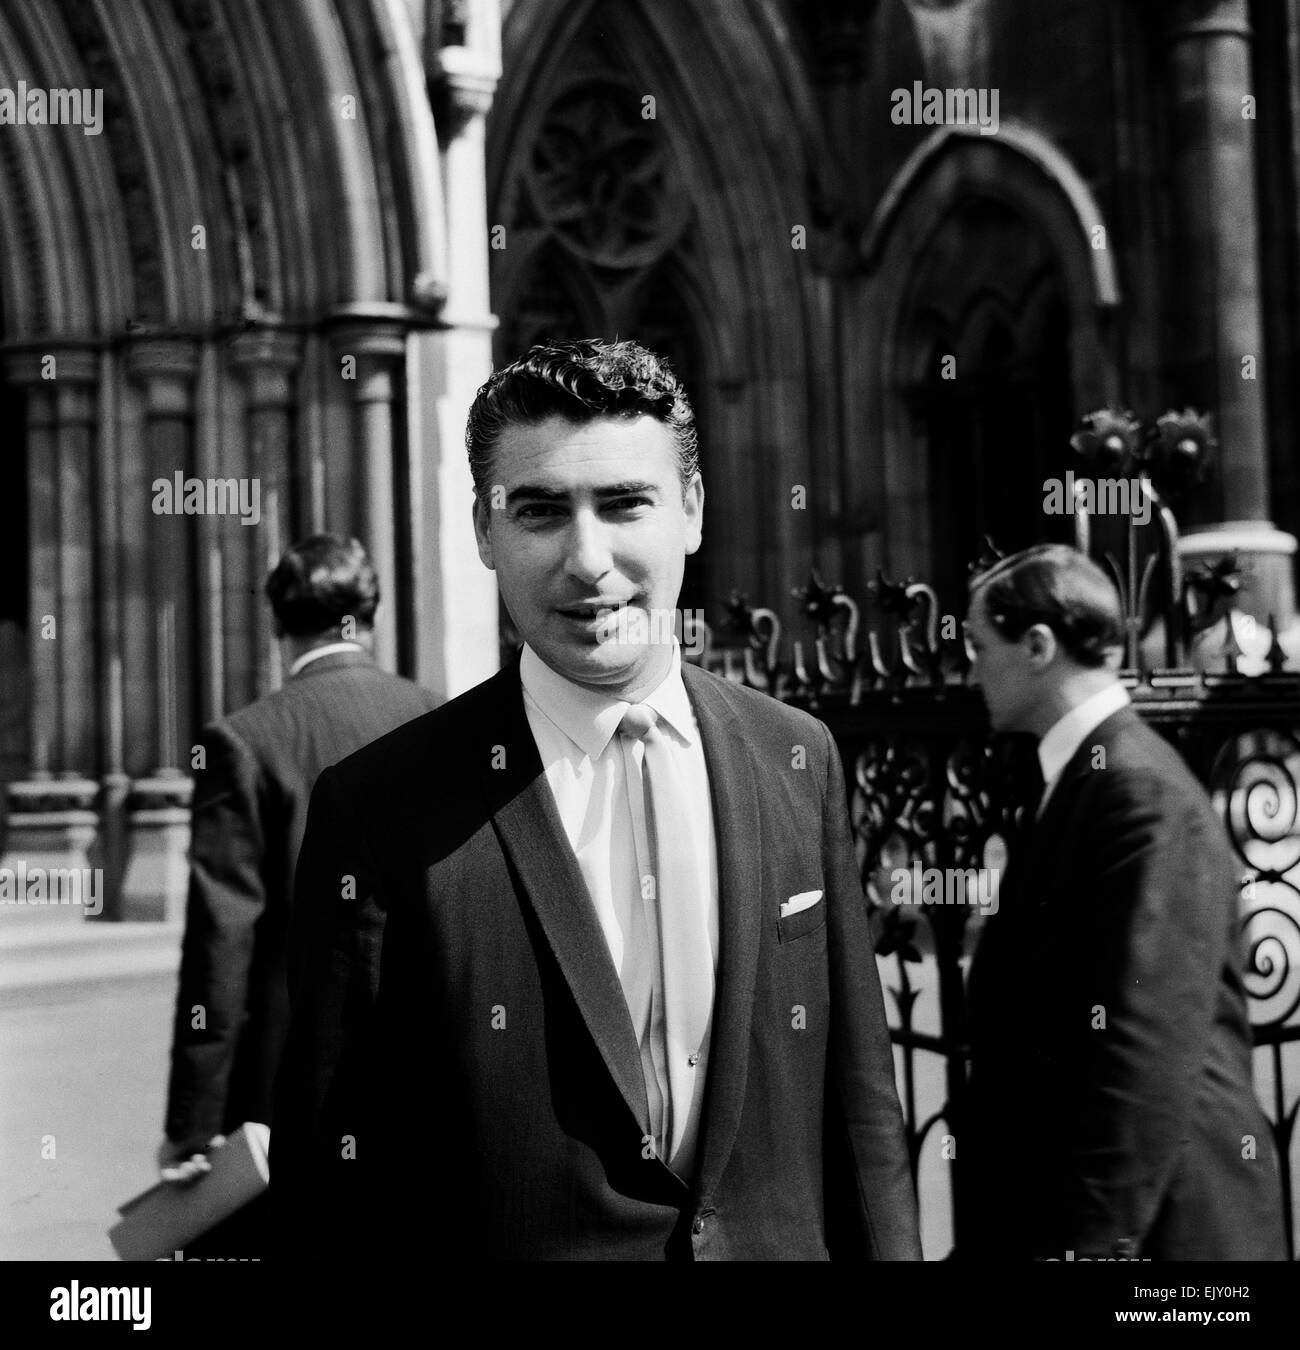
{"x": 482, "y": 513}
{"x": 693, "y": 507}
{"x": 1041, "y": 644}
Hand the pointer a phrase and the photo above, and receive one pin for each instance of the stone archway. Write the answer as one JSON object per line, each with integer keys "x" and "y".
{"x": 993, "y": 251}
{"x": 984, "y": 329}
{"x": 268, "y": 267}
{"x": 665, "y": 157}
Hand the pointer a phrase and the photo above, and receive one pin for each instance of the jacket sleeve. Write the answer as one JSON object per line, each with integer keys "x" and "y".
{"x": 860, "y": 1056}
{"x": 225, "y": 899}
{"x": 1152, "y": 942}
{"x": 322, "y": 1154}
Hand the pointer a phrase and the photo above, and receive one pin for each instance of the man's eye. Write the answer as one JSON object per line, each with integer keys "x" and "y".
{"x": 627, "y": 503}
{"x": 536, "y": 510}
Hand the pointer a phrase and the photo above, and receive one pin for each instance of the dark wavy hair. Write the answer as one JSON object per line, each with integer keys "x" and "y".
{"x": 579, "y": 381}
{"x": 320, "y": 581}
{"x": 1055, "y": 585}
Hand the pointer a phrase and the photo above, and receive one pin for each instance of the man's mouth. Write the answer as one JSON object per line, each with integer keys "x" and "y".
{"x": 595, "y": 610}
{"x": 599, "y": 621}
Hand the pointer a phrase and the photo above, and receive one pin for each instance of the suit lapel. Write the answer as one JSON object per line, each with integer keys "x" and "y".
{"x": 734, "y": 793}
{"x": 532, "y": 835}
{"x": 1045, "y": 833}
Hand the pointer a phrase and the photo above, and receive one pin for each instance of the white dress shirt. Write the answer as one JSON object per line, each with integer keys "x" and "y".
{"x": 327, "y": 650}
{"x": 576, "y": 734}
{"x": 1066, "y": 735}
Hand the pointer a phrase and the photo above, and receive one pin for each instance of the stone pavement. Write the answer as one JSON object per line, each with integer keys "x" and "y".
{"x": 85, "y": 1033}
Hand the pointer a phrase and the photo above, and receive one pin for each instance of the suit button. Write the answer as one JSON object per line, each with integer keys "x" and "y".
{"x": 698, "y": 1226}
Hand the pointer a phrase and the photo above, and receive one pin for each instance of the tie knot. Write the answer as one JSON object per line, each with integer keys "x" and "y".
{"x": 637, "y": 721}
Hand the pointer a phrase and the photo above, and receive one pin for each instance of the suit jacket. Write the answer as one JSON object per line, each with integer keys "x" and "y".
{"x": 461, "y": 1047}
{"x": 1112, "y": 1107}
{"x": 249, "y": 812}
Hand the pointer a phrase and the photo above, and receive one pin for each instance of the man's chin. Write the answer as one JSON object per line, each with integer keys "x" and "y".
{"x": 608, "y": 666}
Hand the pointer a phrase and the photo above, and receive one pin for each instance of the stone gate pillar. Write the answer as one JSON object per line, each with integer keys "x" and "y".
{"x": 1217, "y": 335}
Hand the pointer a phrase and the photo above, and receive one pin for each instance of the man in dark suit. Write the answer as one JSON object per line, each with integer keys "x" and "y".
{"x": 585, "y": 969}
{"x": 250, "y": 808}
{"x": 1112, "y": 1110}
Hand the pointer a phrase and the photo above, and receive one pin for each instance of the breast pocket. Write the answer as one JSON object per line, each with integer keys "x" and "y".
{"x": 803, "y": 923}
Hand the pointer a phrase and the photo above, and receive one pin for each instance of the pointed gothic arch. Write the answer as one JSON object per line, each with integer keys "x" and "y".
{"x": 978, "y": 234}
{"x": 247, "y": 272}
{"x": 730, "y": 139}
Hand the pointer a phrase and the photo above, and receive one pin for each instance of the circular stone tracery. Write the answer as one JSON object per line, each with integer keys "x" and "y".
{"x": 599, "y": 179}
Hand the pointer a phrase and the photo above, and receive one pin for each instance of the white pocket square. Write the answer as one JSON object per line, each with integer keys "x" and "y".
{"x": 804, "y": 900}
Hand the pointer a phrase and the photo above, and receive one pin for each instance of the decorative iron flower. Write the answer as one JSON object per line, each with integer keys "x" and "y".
{"x": 1215, "y": 581}
{"x": 989, "y": 558}
{"x": 819, "y": 600}
{"x": 890, "y": 597}
{"x": 739, "y": 614}
{"x": 1179, "y": 450}
{"x": 897, "y": 933}
{"x": 1110, "y": 438}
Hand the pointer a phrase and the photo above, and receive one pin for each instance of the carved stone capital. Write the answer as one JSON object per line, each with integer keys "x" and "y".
{"x": 378, "y": 343}
{"x": 165, "y": 367}
{"x": 51, "y": 364}
{"x": 464, "y": 84}
{"x": 267, "y": 361}
{"x": 1200, "y": 20}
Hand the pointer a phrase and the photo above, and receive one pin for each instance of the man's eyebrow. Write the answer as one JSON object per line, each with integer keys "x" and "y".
{"x": 535, "y": 492}
{"x": 628, "y": 490}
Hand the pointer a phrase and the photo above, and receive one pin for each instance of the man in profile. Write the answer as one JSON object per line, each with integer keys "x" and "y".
{"x": 586, "y": 969}
{"x": 1112, "y": 1111}
{"x": 249, "y": 812}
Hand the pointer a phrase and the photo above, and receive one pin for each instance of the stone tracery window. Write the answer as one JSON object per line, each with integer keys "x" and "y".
{"x": 594, "y": 199}
{"x": 599, "y": 179}
{"x": 991, "y": 399}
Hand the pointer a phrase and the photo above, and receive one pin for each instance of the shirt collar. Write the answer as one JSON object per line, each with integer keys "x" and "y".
{"x": 1057, "y": 747}
{"x": 589, "y": 719}
{"x": 328, "y": 649}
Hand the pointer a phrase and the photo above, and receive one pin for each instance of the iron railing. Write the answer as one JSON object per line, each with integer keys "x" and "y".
{"x": 928, "y": 783}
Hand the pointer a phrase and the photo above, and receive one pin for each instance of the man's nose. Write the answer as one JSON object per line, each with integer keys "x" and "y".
{"x": 589, "y": 556}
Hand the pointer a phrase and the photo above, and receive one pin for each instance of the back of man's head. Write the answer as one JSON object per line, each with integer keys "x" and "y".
{"x": 1054, "y": 585}
{"x": 318, "y": 584}
{"x": 579, "y": 381}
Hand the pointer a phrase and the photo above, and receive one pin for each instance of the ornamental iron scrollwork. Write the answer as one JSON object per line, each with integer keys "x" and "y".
{"x": 930, "y": 787}
{"x": 1257, "y": 790}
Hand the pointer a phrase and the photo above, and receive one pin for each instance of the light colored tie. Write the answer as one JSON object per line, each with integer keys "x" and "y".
{"x": 670, "y": 888}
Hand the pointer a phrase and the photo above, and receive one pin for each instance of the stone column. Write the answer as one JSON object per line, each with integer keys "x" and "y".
{"x": 74, "y": 429}
{"x": 160, "y": 599}
{"x": 110, "y": 847}
{"x": 267, "y": 360}
{"x": 1217, "y": 333}
{"x": 375, "y": 337}
{"x": 52, "y": 823}
{"x": 456, "y": 598}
